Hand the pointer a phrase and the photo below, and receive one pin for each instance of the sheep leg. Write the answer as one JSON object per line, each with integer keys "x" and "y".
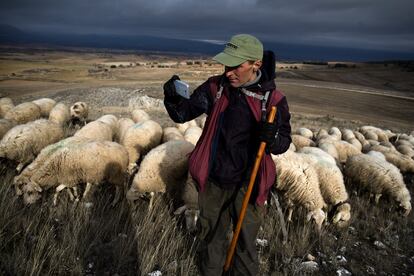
{"x": 290, "y": 211}
{"x": 377, "y": 198}
{"x": 151, "y": 201}
{"x": 117, "y": 195}
{"x": 75, "y": 192}
{"x": 87, "y": 190}
{"x": 55, "y": 196}
{"x": 72, "y": 198}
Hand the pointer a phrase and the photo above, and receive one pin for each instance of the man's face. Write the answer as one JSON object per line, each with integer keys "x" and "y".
{"x": 241, "y": 74}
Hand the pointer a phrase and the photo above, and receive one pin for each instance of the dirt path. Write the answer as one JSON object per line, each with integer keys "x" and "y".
{"x": 380, "y": 110}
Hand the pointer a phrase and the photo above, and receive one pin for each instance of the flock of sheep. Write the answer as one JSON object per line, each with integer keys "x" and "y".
{"x": 315, "y": 173}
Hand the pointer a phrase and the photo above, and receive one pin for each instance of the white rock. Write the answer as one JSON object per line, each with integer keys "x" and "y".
{"x": 343, "y": 272}
{"x": 379, "y": 245}
{"x": 262, "y": 242}
{"x": 341, "y": 259}
{"x": 309, "y": 267}
{"x": 155, "y": 273}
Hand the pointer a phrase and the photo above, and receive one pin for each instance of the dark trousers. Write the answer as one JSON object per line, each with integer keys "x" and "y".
{"x": 218, "y": 208}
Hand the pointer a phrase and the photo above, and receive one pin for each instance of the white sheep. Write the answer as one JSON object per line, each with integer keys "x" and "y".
{"x": 401, "y": 161}
{"x": 5, "y": 125}
{"x": 23, "y": 113}
{"x": 321, "y": 134}
{"x": 45, "y": 105}
{"x": 23, "y": 142}
{"x": 190, "y": 208}
{"x": 331, "y": 182}
{"x": 123, "y": 125}
{"x": 79, "y": 112}
{"x": 5, "y": 105}
{"x": 347, "y": 134}
{"x": 183, "y": 127}
{"x": 370, "y": 135}
{"x": 406, "y": 150}
{"x": 359, "y": 136}
{"x": 202, "y": 121}
{"x": 90, "y": 162}
{"x": 373, "y": 173}
{"x": 139, "y": 139}
{"x": 336, "y": 133}
{"x": 59, "y": 114}
{"x": 110, "y": 120}
{"x": 162, "y": 169}
{"x": 41, "y": 158}
{"x": 298, "y": 182}
{"x": 96, "y": 130}
{"x": 401, "y": 142}
{"x": 192, "y": 134}
{"x": 171, "y": 133}
{"x": 301, "y": 141}
{"x": 345, "y": 150}
{"x": 139, "y": 115}
{"x": 305, "y": 132}
{"x": 382, "y": 135}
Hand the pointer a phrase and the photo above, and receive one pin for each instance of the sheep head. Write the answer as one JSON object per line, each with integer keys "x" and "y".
{"x": 191, "y": 217}
{"x": 318, "y": 216}
{"x": 342, "y": 215}
{"x": 406, "y": 207}
{"x": 31, "y": 193}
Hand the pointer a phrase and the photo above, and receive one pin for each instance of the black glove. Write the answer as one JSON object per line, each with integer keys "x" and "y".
{"x": 267, "y": 133}
{"x": 169, "y": 88}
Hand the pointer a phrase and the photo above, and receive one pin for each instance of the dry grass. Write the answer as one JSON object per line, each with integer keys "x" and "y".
{"x": 71, "y": 239}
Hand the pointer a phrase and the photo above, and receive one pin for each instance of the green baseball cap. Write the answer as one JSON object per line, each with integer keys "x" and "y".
{"x": 240, "y": 48}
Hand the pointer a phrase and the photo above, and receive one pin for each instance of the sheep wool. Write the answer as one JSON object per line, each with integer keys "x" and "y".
{"x": 5, "y": 125}
{"x": 298, "y": 182}
{"x": 170, "y": 134}
{"x": 45, "y": 105}
{"x": 5, "y": 105}
{"x": 123, "y": 125}
{"x": 23, "y": 142}
{"x": 305, "y": 132}
{"x": 110, "y": 120}
{"x": 401, "y": 161}
{"x": 140, "y": 138}
{"x": 183, "y": 127}
{"x": 91, "y": 162}
{"x": 162, "y": 168}
{"x": 139, "y": 115}
{"x": 379, "y": 177}
{"x": 96, "y": 130}
{"x": 301, "y": 141}
{"x": 192, "y": 134}
{"x": 41, "y": 159}
{"x": 23, "y": 113}
{"x": 59, "y": 114}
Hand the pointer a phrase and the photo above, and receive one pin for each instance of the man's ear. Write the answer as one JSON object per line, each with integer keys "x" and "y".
{"x": 257, "y": 64}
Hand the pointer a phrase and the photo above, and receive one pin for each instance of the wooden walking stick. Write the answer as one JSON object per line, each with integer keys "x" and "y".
{"x": 246, "y": 198}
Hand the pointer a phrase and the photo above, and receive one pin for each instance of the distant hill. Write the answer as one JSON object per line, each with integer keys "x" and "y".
{"x": 13, "y": 35}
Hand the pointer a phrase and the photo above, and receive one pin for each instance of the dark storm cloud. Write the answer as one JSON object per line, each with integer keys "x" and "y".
{"x": 377, "y": 24}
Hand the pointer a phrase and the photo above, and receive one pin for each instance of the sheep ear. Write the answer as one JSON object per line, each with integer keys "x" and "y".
{"x": 337, "y": 218}
{"x": 309, "y": 216}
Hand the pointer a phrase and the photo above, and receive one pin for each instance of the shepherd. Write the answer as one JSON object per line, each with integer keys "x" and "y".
{"x": 237, "y": 104}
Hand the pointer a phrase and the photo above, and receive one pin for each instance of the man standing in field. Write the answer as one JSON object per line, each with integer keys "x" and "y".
{"x": 236, "y": 104}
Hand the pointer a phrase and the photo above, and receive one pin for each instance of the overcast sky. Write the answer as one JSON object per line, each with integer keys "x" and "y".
{"x": 370, "y": 24}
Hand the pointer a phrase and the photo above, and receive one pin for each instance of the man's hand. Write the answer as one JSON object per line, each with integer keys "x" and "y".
{"x": 169, "y": 87}
{"x": 267, "y": 133}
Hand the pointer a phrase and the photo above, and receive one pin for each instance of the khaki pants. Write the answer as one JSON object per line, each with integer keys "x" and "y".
{"x": 218, "y": 208}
